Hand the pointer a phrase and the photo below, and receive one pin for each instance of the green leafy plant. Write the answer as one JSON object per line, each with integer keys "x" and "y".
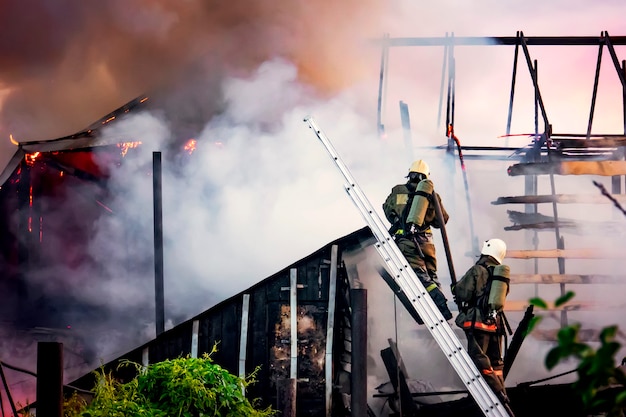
{"x": 596, "y": 369}
{"x": 183, "y": 387}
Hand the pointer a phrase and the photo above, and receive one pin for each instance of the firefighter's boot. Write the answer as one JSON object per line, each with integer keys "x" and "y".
{"x": 440, "y": 301}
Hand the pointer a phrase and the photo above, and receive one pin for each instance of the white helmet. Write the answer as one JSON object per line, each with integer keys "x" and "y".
{"x": 421, "y": 167}
{"x": 495, "y": 248}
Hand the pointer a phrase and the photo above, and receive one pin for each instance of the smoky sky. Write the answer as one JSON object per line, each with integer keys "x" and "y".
{"x": 244, "y": 74}
{"x": 65, "y": 64}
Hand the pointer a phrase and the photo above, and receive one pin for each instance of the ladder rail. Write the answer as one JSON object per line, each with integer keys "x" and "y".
{"x": 421, "y": 301}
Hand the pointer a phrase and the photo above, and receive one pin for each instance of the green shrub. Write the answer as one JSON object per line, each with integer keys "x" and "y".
{"x": 596, "y": 369}
{"x": 183, "y": 387}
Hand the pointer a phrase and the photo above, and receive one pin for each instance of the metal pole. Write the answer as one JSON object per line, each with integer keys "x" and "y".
{"x": 624, "y": 118}
{"x": 534, "y": 78}
{"x": 358, "y": 399}
{"x": 381, "y": 85}
{"x": 444, "y": 237}
{"x": 49, "y": 379}
{"x": 624, "y": 95}
{"x": 618, "y": 68}
{"x": 159, "y": 298}
{"x": 511, "y": 99}
{"x": 443, "y": 75}
{"x": 406, "y": 130}
{"x": 449, "y": 92}
{"x": 594, "y": 95}
{"x": 453, "y": 99}
{"x": 616, "y": 181}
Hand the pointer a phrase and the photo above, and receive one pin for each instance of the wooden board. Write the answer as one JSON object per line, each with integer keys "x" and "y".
{"x": 597, "y": 142}
{"x": 616, "y": 253}
{"x": 538, "y": 221}
{"x": 566, "y": 279}
{"x": 559, "y": 198}
{"x": 604, "y": 168}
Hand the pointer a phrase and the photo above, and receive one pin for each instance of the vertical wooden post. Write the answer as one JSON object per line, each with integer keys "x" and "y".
{"x": 159, "y": 298}
{"x": 330, "y": 327}
{"x": 358, "y": 381}
{"x": 195, "y": 330}
{"x": 243, "y": 337}
{"x": 49, "y": 389}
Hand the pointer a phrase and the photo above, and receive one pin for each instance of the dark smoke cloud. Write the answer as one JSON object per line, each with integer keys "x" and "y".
{"x": 66, "y": 63}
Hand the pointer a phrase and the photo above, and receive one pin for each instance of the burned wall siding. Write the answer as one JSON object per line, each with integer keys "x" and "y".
{"x": 268, "y": 345}
{"x": 177, "y": 344}
{"x": 224, "y": 329}
{"x": 312, "y": 317}
{"x": 312, "y": 322}
{"x": 257, "y": 358}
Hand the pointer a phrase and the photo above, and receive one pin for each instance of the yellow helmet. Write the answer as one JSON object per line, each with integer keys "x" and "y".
{"x": 421, "y": 167}
{"x": 495, "y": 248}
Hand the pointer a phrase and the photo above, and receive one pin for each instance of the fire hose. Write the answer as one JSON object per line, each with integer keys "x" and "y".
{"x": 452, "y": 136}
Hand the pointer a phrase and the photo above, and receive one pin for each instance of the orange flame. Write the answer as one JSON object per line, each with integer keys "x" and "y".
{"x": 190, "y": 146}
{"x": 13, "y": 141}
{"x": 31, "y": 157}
{"x": 126, "y": 146}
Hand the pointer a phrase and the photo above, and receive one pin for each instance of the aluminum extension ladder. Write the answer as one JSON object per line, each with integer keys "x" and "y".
{"x": 406, "y": 279}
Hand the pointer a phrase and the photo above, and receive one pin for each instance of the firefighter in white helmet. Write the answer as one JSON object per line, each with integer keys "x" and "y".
{"x": 411, "y": 212}
{"x": 481, "y": 294}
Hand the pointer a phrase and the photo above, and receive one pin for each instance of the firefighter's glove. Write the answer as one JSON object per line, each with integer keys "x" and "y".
{"x": 453, "y": 294}
{"x": 491, "y": 317}
{"x": 440, "y": 302}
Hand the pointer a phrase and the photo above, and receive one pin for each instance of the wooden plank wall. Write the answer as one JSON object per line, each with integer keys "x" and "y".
{"x": 269, "y": 304}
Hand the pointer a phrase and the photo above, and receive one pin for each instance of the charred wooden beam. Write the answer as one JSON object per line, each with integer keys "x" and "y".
{"x": 604, "y": 168}
{"x": 521, "y": 218}
{"x": 539, "y": 226}
{"x": 538, "y": 221}
{"x": 572, "y": 227}
{"x": 566, "y": 279}
{"x": 517, "y": 340}
{"x": 558, "y": 198}
{"x": 503, "y": 40}
{"x": 600, "y": 142}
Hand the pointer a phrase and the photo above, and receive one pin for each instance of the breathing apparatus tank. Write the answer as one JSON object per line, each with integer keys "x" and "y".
{"x": 420, "y": 202}
{"x": 499, "y": 287}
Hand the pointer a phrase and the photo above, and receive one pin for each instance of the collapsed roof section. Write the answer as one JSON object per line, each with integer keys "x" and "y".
{"x": 87, "y": 138}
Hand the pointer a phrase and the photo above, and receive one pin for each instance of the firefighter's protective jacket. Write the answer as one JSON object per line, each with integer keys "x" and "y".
{"x": 395, "y": 207}
{"x": 471, "y": 293}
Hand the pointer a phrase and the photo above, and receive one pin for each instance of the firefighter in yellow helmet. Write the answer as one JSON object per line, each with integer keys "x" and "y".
{"x": 411, "y": 212}
{"x": 481, "y": 294}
